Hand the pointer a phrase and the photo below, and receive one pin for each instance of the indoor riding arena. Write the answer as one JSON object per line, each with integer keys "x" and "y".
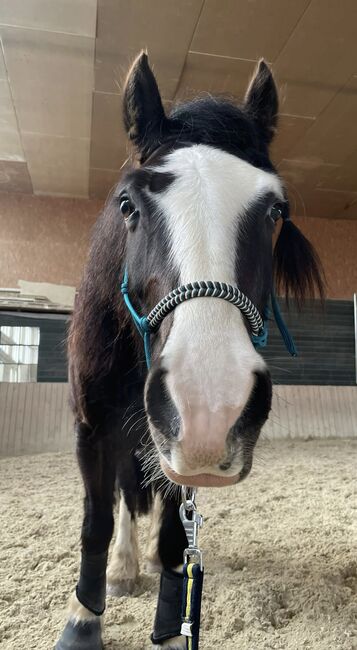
{"x": 279, "y": 548}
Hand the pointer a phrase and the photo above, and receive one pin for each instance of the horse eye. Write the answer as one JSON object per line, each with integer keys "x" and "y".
{"x": 126, "y": 208}
{"x": 276, "y": 212}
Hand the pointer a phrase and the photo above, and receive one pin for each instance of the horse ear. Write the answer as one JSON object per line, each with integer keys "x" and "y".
{"x": 144, "y": 116}
{"x": 261, "y": 100}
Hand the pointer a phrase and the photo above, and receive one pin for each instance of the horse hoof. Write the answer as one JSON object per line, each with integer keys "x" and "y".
{"x": 81, "y": 636}
{"x": 121, "y": 587}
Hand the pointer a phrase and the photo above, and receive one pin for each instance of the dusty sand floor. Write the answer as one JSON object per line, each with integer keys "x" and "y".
{"x": 281, "y": 567}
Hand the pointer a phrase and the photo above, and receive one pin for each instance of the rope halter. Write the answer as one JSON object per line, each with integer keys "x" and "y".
{"x": 203, "y": 289}
{"x": 147, "y": 325}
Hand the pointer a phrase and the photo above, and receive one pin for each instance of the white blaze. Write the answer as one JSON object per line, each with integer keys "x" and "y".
{"x": 208, "y": 354}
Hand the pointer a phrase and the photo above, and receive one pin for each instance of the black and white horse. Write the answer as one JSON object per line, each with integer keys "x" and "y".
{"x": 201, "y": 204}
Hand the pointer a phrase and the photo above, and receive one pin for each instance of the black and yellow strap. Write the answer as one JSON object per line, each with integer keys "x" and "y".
{"x": 191, "y": 603}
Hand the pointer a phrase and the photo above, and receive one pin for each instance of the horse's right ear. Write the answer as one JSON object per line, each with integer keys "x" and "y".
{"x": 261, "y": 100}
{"x": 143, "y": 112}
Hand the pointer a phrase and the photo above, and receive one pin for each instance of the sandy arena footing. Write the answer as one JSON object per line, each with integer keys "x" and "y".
{"x": 280, "y": 554}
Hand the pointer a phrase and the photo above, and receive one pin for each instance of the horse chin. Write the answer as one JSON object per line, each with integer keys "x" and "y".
{"x": 198, "y": 480}
{"x": 241, "y": 465}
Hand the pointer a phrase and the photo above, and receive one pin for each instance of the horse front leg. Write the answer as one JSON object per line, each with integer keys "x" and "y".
{"x": 172, "y": 542}
{"x": 123, "y": 569}
{"x": 152, "y": 558}
{"x": 97, "y": 464}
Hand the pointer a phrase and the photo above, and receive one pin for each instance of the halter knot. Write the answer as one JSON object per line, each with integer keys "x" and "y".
{"x": 261, "y": 340}
{"x": 124, "y": 287}
{"x": 145, "y": 325}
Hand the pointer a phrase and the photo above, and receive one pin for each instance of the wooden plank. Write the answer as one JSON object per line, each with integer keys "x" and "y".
{"x": 25, "y": 420}
{"x": 3, "y": 402}
{"x": 8, "y": 417}
{"x": 48, "y": 414}
{"x": 19, "y": 417}
{"x": 30, "y": 416}
{"x": 57, "y": 413}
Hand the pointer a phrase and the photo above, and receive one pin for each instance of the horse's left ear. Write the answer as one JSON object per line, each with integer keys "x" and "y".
{"x": 261, "y": 101}
{"x": 143, "y": 112}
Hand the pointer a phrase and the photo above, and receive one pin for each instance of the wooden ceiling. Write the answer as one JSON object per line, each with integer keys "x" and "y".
{"x": 62, "y": 65}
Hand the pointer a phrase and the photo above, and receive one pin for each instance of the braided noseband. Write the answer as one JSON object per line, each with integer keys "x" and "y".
{"x": 205, "y": 289}
{"x": 148, "y": 325}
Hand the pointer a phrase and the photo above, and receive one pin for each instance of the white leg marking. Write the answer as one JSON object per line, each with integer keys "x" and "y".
{"x": 152, "y": 559}
{"x": 123, "y": 567}
{"x": 78, "y": 613}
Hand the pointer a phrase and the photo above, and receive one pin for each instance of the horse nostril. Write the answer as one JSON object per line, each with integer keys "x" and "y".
{"x": 160, "y": 407}
{"x": 225, "y": 465}
{"x": 166, "y": 453}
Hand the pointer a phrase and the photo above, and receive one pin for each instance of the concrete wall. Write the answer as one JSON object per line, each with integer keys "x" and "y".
{"x": 45, "y": 239}
{"x": 336, "y": 242}
{"x": 36, "y": 418}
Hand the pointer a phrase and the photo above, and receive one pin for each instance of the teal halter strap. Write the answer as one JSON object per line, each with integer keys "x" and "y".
{"x": 141, "y": 322}
{"x": 147, "y": 325}
{"x": 282, "y": 327}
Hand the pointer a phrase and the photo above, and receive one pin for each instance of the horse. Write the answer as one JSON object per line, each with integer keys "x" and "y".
{"x": 200, "y": 202}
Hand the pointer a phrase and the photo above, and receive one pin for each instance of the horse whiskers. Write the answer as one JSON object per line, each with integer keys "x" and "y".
{"x": 154, "y": 447}
{"x": 280, "y": 368}
{"x": 279, "y": 423}
{"x": 127, "y": 409}
{"x": 143, "y": 417}
{"x": 145, "y": 440}
{"x": 141, "y": 410}
{"x": 283, "y": 399}
{"x": 170, "y": 491}
{"x": 149, "y": 457}
{"x": 153, "y": 478}
{"x": 154, "y": 474}
{"x": 150, "y": 465}
{"x": 166, "y": 487}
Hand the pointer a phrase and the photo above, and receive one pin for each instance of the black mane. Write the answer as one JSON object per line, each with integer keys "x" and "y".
{"x": 217, "y": 122}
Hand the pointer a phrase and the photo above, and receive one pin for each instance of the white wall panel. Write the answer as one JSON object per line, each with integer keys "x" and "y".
{"x": 36, "y": 417}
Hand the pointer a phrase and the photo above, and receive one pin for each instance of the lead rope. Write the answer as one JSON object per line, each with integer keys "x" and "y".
{"x": 192, "y": 570}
